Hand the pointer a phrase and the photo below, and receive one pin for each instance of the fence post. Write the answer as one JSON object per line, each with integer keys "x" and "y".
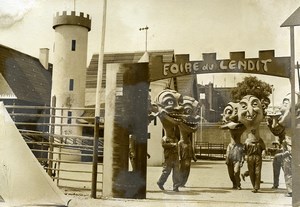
{"x": 95, "y": 158}
{"x": 51, "y": 137}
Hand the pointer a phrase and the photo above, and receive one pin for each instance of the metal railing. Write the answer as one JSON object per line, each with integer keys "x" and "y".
{"x": 67, "y": 158}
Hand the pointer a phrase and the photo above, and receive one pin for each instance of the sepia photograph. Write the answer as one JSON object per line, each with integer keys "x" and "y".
{"x": 143, "y": 103}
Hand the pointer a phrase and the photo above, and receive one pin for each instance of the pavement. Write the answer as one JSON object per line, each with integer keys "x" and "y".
{"x": 208, "y": 185}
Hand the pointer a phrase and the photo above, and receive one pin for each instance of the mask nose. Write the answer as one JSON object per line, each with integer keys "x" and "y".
{"x": 250, "y": 111}
{"x": 178, "y": 108}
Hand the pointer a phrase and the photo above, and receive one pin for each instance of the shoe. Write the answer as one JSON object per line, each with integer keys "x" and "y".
{"x": 234, "y": 187}
{"x": 254, "y": 190}
{"x": 274, "y": 187}
{"x": 243, "y": 176}
{"x": 176, "y": 189}
{"x": 160, "y": 186}
{"x": 288, "y": 195}
{"x": 239, "y": 188}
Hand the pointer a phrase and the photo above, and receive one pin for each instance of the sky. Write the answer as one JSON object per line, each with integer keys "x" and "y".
{"x": 186, "y": 26}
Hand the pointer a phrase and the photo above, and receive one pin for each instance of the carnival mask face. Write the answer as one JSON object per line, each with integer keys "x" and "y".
{"x": 169, "y": 106}
{"x": 230, "y": 118}
{"x": 272, "y": 122}
{"x": 190, "y": 117}
{"x": 250, "y": 112}
{"x": 230, "y": 113}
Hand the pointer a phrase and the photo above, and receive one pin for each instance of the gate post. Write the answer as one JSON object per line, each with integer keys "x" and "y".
{"x": 136, "y": 92}
{"x": 126, "y": 112}
{"x": 51, "y": 138}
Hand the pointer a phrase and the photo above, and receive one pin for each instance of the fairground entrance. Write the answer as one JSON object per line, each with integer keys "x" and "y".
{"x": 127, "y": 112}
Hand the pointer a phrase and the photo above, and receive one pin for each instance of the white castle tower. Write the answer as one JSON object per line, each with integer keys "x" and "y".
{"x": 69, "y": 66}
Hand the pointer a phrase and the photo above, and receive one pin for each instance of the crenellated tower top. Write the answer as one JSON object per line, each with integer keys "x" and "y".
{"x": 72, "y": 19}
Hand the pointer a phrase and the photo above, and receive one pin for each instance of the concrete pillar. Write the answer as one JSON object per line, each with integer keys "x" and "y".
{"x": 125, "y": 113}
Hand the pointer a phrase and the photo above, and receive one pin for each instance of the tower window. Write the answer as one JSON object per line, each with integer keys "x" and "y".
{"x": 73, "y": 45}
{"x": 71, "y": 85}
{"x": 69, "y": 117}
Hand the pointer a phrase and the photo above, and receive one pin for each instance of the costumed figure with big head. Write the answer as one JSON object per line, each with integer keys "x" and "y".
{"x": 279, "y": 123}
{"x": 168, "y": 105}
{"x": 251, "y": 114}
{"x": 235, "y": 149}
{"x": 188, "y": 125}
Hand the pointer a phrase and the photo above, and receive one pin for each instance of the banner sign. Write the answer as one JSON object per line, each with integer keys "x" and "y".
{"x": 265, "y": 64}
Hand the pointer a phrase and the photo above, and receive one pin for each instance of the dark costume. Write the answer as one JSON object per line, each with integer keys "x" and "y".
{"x": 186, "y": 154}
{"x": 277, "y": 165}
{"x": 253, "y": 149}
{"x": 234, "y": 161}
{"x": 286, "y": 156}
{"x": 170, "y": 146}
{"x": 287, "y": 163}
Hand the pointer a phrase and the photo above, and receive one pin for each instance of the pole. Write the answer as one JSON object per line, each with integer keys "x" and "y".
{"x": 298, "y": 76}
{"x": 201, "y": 122}
{"x": 146, "y": 39}
{"x": 51, "y": 138}
{"x": 295, "y": 140}
{"x": 273, "y": 110}
{"x": 146, "y": 44}
{"x": 97, "y": 105}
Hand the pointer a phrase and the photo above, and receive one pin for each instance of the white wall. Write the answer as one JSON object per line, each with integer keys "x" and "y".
{"x": 154, "y": 143}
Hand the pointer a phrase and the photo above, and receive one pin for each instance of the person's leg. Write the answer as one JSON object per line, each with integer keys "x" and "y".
{"x": 245, "y": 174}
{"x": 258, "y": 165}
{"x": 167, "y": 167}
{"x": 132, "y": 161}
{"x": 176, "y": 175}
{"x": 185, "y": 166}
{"x": 230, "y": 168}
{"x": 251, "y": 169}
{"x": 237, "y": 170}
{"x": 277, "y": 160}
{"x": 287, "y": 169}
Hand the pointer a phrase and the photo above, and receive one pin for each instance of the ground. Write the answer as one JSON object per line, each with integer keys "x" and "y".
{"x": 208, "y": 185}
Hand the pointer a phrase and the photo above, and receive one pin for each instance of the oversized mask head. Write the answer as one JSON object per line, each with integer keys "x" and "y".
{"x": 230, "y": 117}
{"x": 230, "y": 113}
{"x": 250, "y": 111}
{"x": 190, "y": 116}
{"x": 168, "y": 104}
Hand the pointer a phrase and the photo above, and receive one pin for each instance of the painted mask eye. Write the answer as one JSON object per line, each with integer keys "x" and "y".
{"x": 188, "y": 111}
{"x": 170, "y": 102}
{"x": 228, "y": 111}
{"x": 255, "y": 103}
{"x": 243, "y": 105}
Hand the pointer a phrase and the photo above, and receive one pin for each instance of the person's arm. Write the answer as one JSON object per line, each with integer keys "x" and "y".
{"x": 263, "y": 147}
{"x": 243, "y": 157}
{"x": 286, "y": 115}
{"x": 166, "y": 144}
{"x": 179, "y": 150}
{"x": 193, "y": 154}
{"x": 227, "y": 154}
